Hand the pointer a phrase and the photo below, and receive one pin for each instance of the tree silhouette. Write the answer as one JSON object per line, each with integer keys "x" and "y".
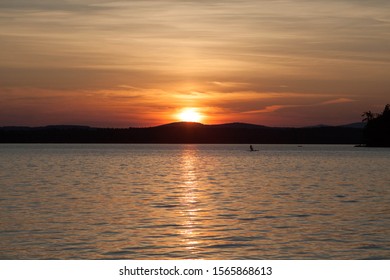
{"x": 377, "y": 130}
{"x": 368, "y": 116}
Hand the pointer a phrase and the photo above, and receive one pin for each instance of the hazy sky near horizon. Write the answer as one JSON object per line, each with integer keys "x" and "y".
{"x": 138, "y": 63}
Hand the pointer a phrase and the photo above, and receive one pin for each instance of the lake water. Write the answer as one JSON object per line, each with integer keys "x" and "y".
{"x": 194, "y": 202}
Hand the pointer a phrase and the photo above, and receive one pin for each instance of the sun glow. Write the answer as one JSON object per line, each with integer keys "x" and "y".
{"x": 190, "y": 115}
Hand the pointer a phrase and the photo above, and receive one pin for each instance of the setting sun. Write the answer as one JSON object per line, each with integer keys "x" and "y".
{"x": 189, "y": 115}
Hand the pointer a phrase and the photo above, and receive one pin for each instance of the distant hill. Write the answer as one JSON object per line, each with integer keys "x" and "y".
{"x": 355, "y": 125}
{"x": 350, "y": 125}
{"x": 225, "y": 125}
{"x": 240, "y": 125}
{"x": 184, "y": 132}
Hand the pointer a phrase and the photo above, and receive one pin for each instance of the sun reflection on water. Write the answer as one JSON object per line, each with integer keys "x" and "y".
{"x": 190, "y": 201}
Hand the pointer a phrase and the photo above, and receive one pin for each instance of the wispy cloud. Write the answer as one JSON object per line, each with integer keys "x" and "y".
{"x": 273, "y": 108}
{"x": 337, "y": 101}
{"x": 269, "y": 109}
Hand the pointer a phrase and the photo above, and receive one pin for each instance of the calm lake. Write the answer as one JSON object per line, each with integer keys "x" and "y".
{"x": 194, "y": 202}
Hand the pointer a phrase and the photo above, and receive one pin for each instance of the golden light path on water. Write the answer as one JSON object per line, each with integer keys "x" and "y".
{"x": 189, "y": 200}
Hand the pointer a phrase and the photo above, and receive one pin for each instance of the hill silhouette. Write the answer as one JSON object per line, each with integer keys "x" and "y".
{"x": 184, "y": 132}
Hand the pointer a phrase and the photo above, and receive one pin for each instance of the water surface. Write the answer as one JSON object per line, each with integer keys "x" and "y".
{"x": 194, "y": 202}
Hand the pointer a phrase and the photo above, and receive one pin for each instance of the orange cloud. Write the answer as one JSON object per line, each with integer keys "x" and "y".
{"x": 337, "y": 101}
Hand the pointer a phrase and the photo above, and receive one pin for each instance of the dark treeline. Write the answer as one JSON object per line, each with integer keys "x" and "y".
{"x": 377, "y": 130}
{"x": 184, "y": 133}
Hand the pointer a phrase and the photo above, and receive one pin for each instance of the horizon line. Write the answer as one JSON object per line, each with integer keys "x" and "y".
{"x": 178, "y": 122}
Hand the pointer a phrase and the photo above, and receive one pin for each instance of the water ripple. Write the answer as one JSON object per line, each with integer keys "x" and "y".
{"x": 193, "y": 201}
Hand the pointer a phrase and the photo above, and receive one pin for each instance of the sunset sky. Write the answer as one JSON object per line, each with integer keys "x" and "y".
{"x": 140, "y": 63}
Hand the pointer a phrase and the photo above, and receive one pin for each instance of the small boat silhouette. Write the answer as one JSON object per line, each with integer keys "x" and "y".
{"x": 251, "y": 149}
